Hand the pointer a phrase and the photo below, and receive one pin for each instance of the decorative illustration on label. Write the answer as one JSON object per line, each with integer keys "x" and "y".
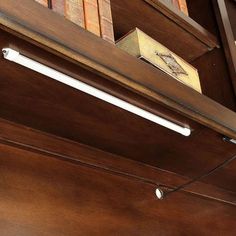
{"x": 171, "y": 62}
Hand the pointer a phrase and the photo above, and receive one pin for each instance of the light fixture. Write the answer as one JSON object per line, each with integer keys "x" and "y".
{"x": 227, "y": 139}
{"x": 16, "y": 57}
{"x": 159, "y": 193}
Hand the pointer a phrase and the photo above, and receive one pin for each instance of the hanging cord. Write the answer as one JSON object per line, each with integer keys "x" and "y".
{"x": 160, "y": 194}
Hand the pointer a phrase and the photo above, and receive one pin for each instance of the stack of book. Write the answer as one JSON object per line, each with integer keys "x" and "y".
{"x": 179, "y": 4}
{"x": 93, "y": 15}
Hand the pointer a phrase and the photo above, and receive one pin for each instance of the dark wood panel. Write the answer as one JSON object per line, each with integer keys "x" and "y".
{"x": 205, "y": 17}
{"x": 75, "y": 44}
{"x": 33, "y": 140}
{"x": 231, "y": 8}
{"x": 215, "y": 78}
{"x": 212, "y": 67}
{"x": 164, "y": 23}
{"x": 34, "y": 100}
{"x": 44, "y": 196}
{"x": 227, "y": 37}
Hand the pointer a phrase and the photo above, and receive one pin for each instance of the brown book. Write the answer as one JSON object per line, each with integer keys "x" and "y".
{"x": 106, "y": 23}
{"x": 183, "y": 6}
{"x": 91, "y": 16}
{"x": 58, "y": 6}
{"x": 74, "y": 11}
{"x": 43, "y": 2}
{"x": 176, "y": 3}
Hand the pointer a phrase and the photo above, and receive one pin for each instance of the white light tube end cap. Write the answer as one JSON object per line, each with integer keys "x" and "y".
{"x": 159, "y": 193}
{"x": 10, "y": 54}
{"x": 186, "y": 132}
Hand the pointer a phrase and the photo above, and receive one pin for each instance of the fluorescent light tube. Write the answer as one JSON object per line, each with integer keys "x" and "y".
{"x": 233, "y": 141}
{"x": 16, "y": 57}
{"x": 229, "y": 140}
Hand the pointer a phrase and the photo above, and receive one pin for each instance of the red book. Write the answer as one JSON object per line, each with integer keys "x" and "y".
{"x": 176, "y": 3}
{"x": 106, "y": 23}
{"x": 74, "y": 11}
{"x": 43, "y": 2}
{"x": 91, "y": 16}
{"x": 58, "y": 6}
{"x": 183, "y": 6}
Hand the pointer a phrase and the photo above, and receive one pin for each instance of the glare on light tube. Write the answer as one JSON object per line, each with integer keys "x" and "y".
{"x": 16, "y": 57}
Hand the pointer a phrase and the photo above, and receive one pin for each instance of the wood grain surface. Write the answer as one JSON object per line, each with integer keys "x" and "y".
{"x": 37, "y": 141}
{"x": 227, "y": 35}
{"x": 44, "y": 196}
{"x": 212, "y": 67}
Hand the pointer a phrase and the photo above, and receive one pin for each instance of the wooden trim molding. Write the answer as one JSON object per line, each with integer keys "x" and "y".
{"x": 66, "y": 40}
{"x": 23, "y": 137}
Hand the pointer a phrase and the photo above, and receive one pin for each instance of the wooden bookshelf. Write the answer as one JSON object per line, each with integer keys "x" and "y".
{"x": 65, "y": 153}
{"x": 173, "y": 28}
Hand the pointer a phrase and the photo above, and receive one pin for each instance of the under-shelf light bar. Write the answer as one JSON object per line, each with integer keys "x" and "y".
{"x": 16, "y": 57}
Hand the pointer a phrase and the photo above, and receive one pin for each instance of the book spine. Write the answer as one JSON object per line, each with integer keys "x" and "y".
{"x": 91, "y": 16}
{"x": 183, "y": 6}
{"x": 176, "y": 3}
{"x": 106, "y": 23}
{"x": 168, "y": 1}
{"x": 74, "y": 11}
{"x": 43, "y": 2}
{"x": 58, "y": 6}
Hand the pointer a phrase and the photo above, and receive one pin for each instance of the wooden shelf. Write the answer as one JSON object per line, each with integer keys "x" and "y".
{"x": 73, "y": 43}
{"x": 164, "y": 23}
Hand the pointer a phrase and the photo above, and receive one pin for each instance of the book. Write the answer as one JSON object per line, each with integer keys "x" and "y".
{"x": 106, "y": 24}
{"x": 43, "y": 2}
{"x": 74, "y": 11}
{"x": 91, "y": 16}
{"x": 58, "y": 6}
{"x": 183, "y": 6}
{"x": 176, "y": 3}
{"x": 168, "y": 1}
